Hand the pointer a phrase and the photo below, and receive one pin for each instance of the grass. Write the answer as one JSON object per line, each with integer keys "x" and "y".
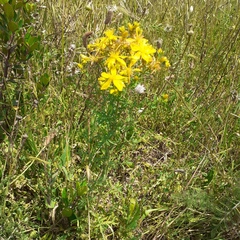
{"x": 80, "y": 164}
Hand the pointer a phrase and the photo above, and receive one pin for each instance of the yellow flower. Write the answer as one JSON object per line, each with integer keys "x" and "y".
{"x": 91, "y": 58}
{"x": 110, "y": 35}
{"x": 165, "y": 61}
{"x": 133, "y": 59}
{"x": 133, "y": 26}
{"x": 155, "y": 66}
{"x": 100, "y": 44}
{"x": 129, "y": 71}
{"x": 113, "y": 91}
{"x": 123, "y": 55}
{"x": 137, "y": 37}
{"x": 143, "y": 50}
{"x": 124, "y": 32}
{"x": 165, "y": 97}
{"x": 167, "y": 64}
{"x": 122, "y": 29}
{"x": 107, "y": 79}
{"x": 115, "y": 59}
{"x": 80, "y": 65}
{"x": 84, "y": 58}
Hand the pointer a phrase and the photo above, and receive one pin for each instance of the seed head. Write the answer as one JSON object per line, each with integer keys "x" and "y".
{"x": 108, "y": 17}
{"x": 85, "y": 38}
{"x": 159, "y": 43}
{"x": 190, "y": 31}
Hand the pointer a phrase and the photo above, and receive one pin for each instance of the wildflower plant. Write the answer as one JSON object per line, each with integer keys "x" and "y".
{"x": 123, "y": 56}
{"x": 117, "y": 60}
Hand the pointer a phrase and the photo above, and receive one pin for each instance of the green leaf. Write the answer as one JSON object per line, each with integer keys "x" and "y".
{"x": 47, "y": 236}
{"x": 30, "y": 7}
{"x": 210, "y": 176}
{"x": 132, "y": 206}
{"x": 8, "y": 10}
{"x": 13, "y": 3}
{"x": 19, "y": 5}
{"x": 44, "y": 79}
{"x": 64, "y": 194}
{"x": 81, "y": 188}
{"x": 66, "y": 155}
{"x": 34, "y": 46}
{"x": 13, "y": 26}
{"x": 51, "y": 204}
{"x": 33, "y": 234}
{"x": 67, "y": 212}
{"x": 134, "y": 214}
{"x": 31, "y": 144}
{"x": 3, "y": 1}
{"x": 31, "y": 40}
{"x": 132, "y": 224}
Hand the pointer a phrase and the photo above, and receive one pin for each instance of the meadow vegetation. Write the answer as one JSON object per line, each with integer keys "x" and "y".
{"x": 141, "y": 145}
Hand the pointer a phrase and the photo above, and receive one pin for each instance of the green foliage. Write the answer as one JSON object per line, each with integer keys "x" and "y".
{"x": 18, "y": 41}
{"x": 80, "y": 163}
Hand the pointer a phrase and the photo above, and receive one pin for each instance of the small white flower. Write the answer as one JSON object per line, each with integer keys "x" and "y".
{"x": 140, "y": 110}
{"x": 140, "y": 89}
{"x": 191, "y": 9}
{"x": 72, "y": 46}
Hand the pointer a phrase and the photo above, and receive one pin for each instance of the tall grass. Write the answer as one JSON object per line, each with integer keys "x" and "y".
{"x": 74, "y": 167}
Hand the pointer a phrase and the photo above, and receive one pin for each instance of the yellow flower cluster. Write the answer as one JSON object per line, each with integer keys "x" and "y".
{"x": 123, "y": 56}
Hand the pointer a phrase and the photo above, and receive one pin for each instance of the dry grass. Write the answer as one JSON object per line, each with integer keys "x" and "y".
{"x": 171, "y": 172}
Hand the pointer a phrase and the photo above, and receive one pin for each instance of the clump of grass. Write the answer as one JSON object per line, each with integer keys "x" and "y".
{"x": 165, "y": 165}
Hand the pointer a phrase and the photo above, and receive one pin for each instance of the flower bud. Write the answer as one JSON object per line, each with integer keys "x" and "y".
{"x": 191, "y": 9}
{"x": 190, "y": 31}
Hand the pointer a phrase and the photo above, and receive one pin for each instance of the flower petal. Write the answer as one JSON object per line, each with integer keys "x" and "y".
{"x": 118, "y": 84}
{"x": 105, "y": 75}
{"x": 106, "y": 85}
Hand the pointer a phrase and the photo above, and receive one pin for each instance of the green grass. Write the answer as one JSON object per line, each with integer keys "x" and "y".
{"x": 80, "y": 164}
